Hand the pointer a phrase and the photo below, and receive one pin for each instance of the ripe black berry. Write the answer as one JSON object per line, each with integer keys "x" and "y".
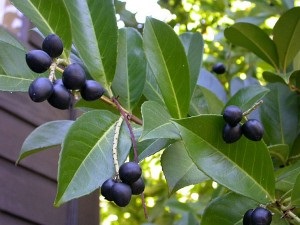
{"x": 74, "y": 76}
{"x": 219, "y": 68}
{"x": 232, "y": 114}
{"x": 261, "y": 216}
{"x": 40, "y": 89}
{"x": 61, "y": 97}
{"x": 38, "y": 61}
{"x": 130, "y": 172}
{"x": 138, "y": 186}
{"x": 247, "y": 217}
{"x": 91, "y": 90}
{"x": 253, "y": 130}
{"x": 53, "y": 45}
{"x": 232, "y": 134}
{"x": 106, "y": 188}
{"x": 121, "y": 194}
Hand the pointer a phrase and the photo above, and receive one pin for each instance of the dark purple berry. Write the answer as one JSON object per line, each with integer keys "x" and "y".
{"x": 247, "y": 217}
{"x": 40, "y": 89}
{"x": 232, "y": 134}
{"x": 38, "y": 61}
{"x": 253, "y": 130}
{"x": 92, "y": 90}
{"x": 138, "y": 186}
{"x": 53, "y": 45}
{"x": 74, "y": 77}
{"x": 106, "y": 189}
{"x": 219, "y": 68}
{"x": 261, "y": 216}
{"x": 130, "y": 172}
{"x": 121, "y": 194}
{"x": 61, "y": 97}
{"x": 233, "y": 115}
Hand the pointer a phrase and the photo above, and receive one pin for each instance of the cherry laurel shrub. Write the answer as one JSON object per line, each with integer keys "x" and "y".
{"x": 148, "y": 99}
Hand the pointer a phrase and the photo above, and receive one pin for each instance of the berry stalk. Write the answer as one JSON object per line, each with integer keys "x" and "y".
{"x": 115, "y": 145}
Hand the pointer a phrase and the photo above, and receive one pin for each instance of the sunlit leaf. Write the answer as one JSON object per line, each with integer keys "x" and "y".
{"x": 167, "y": 59}
{"x": 183, "y": 174}
{"x": 47, "y": 135}
{"x": 130, "y": 75}
{"x": 86, "y": 158}
{"x": 240, "y": 166}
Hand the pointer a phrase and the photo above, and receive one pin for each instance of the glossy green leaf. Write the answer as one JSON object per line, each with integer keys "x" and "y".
{"x": 47, "y": 135}
{"x": 86, "y": 158}
{"x": 295, "y": 198}
{"x": 237, "y": 83}
{"x": 49, "y": 17}
{"x": 280, "y": 152}
{"x": 183, "y": 174}
{"x": 130, "y": 75}
{"x": 254, "y": 39}
{"x": 279, "y": 114}
{"x": 156, "y": 122}
{"x": 228, "y": 209}
{"x": 273, "y": 77}
{"x": 205, "y": 102}
{"x": 166, "y": 57}
{"x": 286, "y": 177}
{"x": 286, "y": 37}
{"x": 95, "y": 36}
{"x": 193, "y": 45}
{"x": 247, "y": 96}
{"x": 240, "y": 166}
{"x": 13, "y": 78}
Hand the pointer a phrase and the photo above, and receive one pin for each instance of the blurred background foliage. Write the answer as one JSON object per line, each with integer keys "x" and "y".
{"x": 210, "y": 18}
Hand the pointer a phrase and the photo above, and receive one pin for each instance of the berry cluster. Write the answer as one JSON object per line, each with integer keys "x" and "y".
{"x": 219, "y": 68}
{"x": 258, "y": 216}
{"x": 233, "y": 130}
{"x": 129, "y": 183}
{"x": 58, "y": 92}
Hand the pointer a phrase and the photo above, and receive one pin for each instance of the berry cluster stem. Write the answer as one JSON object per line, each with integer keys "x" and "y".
{"x": 115, "y": 144}
{"x": 255, "y": 106}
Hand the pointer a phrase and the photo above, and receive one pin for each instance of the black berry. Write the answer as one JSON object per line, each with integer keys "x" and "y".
{"x": 130, "y": 172}
{"x": 121, "y": 194}
{"x": 61, "y": 97}
{"x": 232, "y": 134}
{"x": 232, "y": 114}
{"x": 106, "y": 189}
{"x": 53, "y": 45}
{"x": 261, "y": 216}
{"x": 253, "y": 130}
{"x": 74, "y": 76}
{"x": 91, "y": 90}
{"x": 38, "y": 61}
{"x": 40, "y": 89}
{"x": 219, "y": 68}
{"x": 247, "y": 217}
{"x": 138, "y": 186}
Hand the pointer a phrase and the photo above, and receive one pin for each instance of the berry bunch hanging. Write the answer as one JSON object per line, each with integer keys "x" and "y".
{"x": 258, "y": 216}
{"x": 233, "y": 129}
{"x": 58, "y": 92}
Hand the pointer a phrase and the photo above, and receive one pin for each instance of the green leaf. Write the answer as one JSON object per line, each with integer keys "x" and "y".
{"x": 286, "y": 37}
{"x": 273, "y": 77}
{"x": 295, "y": 198}
{"x": 167, "y": 59}
{"x": 237, "y": 166}
{"x": 286, "y": 177}
{"x": 280, "y": 152}
{"x": 156, "y": 122}
{"x": 95, "y": 36}
{"x": 205, "y": 102}
{"x": 86, "y": 158}
{"x": 193, "y": 45}
{"x": 247, "y": 96}
{"x": 183, "y": 174}
{"x": 49, "y": 17}
{"x": 254, "y": 39}
{"x": 130, "y": 75}
{"x": 48, "y": 135}
{"x": 228, "y": 209}
{"x": 279, "y": 114}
